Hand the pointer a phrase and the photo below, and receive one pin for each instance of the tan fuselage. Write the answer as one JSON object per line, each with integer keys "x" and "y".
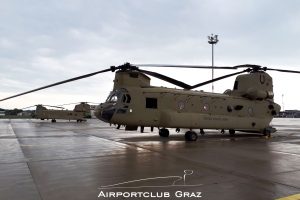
{"x": 59, "y": 114}
{"x": 193, "y": 109}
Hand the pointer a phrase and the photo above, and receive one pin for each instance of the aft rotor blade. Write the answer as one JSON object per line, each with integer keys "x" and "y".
{"x": 92, "y": 103}
{"x": 66, "y": 104}
{"x": 27, "y": 107}
{"x": 284, "y": 70}
{"x": 185, "y": 66}
{"x": 58, "y": 83}
{"x": 54, "y": 106}
{"x": 167, "y": 79}
{"x": 219, "y": 78}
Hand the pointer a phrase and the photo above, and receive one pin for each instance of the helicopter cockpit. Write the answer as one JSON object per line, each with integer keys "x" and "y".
{"x": 117, "y": 101}
{"x": 114, "y": 96}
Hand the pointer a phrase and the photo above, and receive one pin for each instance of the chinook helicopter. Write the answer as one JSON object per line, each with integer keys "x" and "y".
{"x": 133, "y": 102}
{"x": 80, "y": 112}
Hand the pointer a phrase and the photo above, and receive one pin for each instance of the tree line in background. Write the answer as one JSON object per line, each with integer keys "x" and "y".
{"x": 12, "y": 112}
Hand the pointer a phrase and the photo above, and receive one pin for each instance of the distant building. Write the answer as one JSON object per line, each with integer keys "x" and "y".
{"x": 2, "y": 113}
{"x": 289, "y": 114}
{"x": 27, "y": 113}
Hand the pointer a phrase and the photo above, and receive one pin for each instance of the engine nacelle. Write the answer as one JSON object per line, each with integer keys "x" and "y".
{"x": 255, "y": 85}
{"x": 255, "y": 94}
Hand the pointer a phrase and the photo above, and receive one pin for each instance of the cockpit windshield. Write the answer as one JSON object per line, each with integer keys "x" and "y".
{"x": 114, "y": 96}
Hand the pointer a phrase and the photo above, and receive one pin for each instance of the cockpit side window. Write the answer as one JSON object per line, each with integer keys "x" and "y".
{"x": 128, "y": 98}
{"x": 124, "y": 98}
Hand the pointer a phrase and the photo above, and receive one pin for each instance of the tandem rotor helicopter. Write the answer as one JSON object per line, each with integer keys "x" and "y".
{"x": 80, "y": 112}
{"x": 133, "y": 102}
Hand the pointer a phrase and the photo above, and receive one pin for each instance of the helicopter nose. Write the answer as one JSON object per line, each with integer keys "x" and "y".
{"x": 105, "y": 112}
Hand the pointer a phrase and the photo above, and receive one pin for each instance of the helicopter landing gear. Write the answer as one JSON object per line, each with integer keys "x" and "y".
{"x": 152, "y": 128}
{"x": 222, "y": 131}
{"x": 142, "y": 129}
{"x": 231, "y": 132}
{"x": 191, "y": 136}
{"x": 53, "y": 120}
{"x": 163, "y": 132}
{"x": 202, "y": 132}
{"x": 267, "y": 132}
{"x": 118, "y": 127}
{"x": 177, "y": 130}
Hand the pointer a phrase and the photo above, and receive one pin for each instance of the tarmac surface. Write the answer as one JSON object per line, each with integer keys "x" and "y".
{"x": 91, "y": 160}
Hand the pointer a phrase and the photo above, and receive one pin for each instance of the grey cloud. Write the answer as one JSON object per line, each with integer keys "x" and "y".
{"x": 47, "y": 41}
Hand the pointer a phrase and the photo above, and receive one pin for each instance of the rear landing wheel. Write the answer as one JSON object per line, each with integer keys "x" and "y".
{"x": 53, "y": 120}
{"x": 164, "y": 132}
{"x": 191, "y": 136}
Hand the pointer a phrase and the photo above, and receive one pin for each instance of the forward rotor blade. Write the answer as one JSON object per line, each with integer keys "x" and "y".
{"x": 58, "y": 83}
{"x": 167, "y": 79}
{"x": 219, "y": 78}
{"x": 184, "y": 66}
{"x": 283, "y": 70}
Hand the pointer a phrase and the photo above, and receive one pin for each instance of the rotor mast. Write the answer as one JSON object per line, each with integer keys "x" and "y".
{"x": 213, "y": 39}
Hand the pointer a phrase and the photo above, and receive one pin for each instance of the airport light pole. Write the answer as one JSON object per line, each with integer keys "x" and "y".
{"x": 213, "y": 39}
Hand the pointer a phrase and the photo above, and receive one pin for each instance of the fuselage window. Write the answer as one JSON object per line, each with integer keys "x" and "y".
{"x": 151, "y": 103}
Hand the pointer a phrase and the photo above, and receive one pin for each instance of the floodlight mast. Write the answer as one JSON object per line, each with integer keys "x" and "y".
{"x": 213, "y": 39}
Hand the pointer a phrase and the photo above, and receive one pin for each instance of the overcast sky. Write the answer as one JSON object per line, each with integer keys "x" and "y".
{"x": 42, "y": 42}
